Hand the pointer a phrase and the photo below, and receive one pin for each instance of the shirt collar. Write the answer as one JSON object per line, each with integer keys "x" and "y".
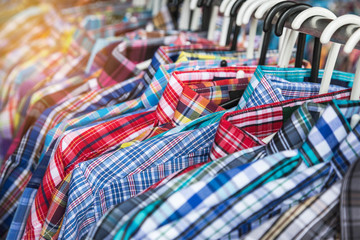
{"x": 122, "y": 62}
{"x": 166, "y": 55}
{"x": 245, "y": 128}
{"x": 180, "y": 103}
{"x": 329, "y": 131}
{"x": 271, "y": 56}
{"x": 268, "y": 83}
{"x": 347, "y": 153}
{"x": 295, "y": 129}
{"x": 162, "y": 76}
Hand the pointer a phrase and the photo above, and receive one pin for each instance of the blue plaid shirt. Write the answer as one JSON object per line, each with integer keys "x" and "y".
{"x": 77, "y": 208}
{"x": 320, "y": 213}
{"x": 264, "y": 81}
{"x": 239, "y": 199}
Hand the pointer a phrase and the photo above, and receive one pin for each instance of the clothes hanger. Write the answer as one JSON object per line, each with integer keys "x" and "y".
{"x": 259, "y": 14}
{"x": 293, "y": 35}
{"x": 239, "y": 22}
{"x": 234, "y": 10}
{"x": 156, "y": 7}
{"x": 253, "y": 26}
{"x": 214, "y": 6}
{"x": 268, "y": 25}
{"x": 225, "y": 8}
{"x": 195, "y": 14}
{"x": 335, "y": 48}
{"x": 240, "y": 14}
{"x": 184, "y": 20}
{"x": 355, "y": 91}
{"x": 205, "y": 16}
{"x": 330, "y": 29}
{"x": 299, "y": 20}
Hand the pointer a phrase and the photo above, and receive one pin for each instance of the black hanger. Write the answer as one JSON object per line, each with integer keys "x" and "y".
{"x": 174, "y": 6}
{"x": 268, "y": 25}
{"x": 234, "y": 10}
{"x": 208, "y": 3}
{"x": 317, "y": 45}
{"x": 206, "y": 15}
{"x": 200, "y": 3}
{"x": 297, "y": 8}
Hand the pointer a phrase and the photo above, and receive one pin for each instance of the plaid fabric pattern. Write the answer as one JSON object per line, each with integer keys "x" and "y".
{"x": 266, "y": 79}
{"x": 313, "y": 151}
{"x": 57, "y": 207}
{"x": 166, "y": 110}
{"x": 231, "y": 137}
{"x": 122, "y": 212}
{"x": 140, "y": 180}
{"x": 315, "y": 218}
{"x": 157, "y": 86}
{"x": 26, "y": 156}
{"x": 149, "y": 98}
{"x": 201, "y": 62}
{"x": 276, "y": 191}
{"x": 34, "y": 110}
{"x": 174, "y": 149}
{"x": 9, "y": 126}
{"x": 118, "y": 67}
{"x": 348, "y": 198}
{"x": 304, "y": 220}
{"x": 203, "y": 222}
{"x": 250, "y": 117}
{"x": 279, "y": 142}
{"x": 91, "y": 142}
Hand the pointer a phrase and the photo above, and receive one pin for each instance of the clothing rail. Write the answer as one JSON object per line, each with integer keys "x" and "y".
{"x": 315, "y": 26}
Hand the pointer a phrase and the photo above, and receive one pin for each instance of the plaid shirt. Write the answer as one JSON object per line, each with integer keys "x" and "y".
{"x": 260, "y": 184}
{"x": 54, "y": 80}
{"x": 199, "y": 142}
{"x": 320, "y": 214}
{"x": 118, "y": 67}
{"x": 315, "y": 218}
{"x": 25, "y": 157}
{"x": 297, "y": 127}
{"x": 149, "y": 98}
{"x": 107, "y": 135}
{"x": 47, "y": 97}
{"x": 348, "y": 198}
{"x": 18, "y": 83}
{"x": 160, "y": 82}
{"x": 107, "y": 201}
{"x": 263, "y": 82}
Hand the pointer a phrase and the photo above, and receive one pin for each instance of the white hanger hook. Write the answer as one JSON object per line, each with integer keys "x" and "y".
{"x": 349, "y": 46}
{"x": 193, "y": 4}
{"x": 296, "y": 24}
{"x": 223, "y": 5}
{"x": 311, "y": 12}
{"x": 228, "y": 8}
{"x": 260, "y": 12}
{"x": 251, "y": 9}
{"x": 336, "y": 24}
{"x": 352, "y": 41}
{"x": 242, "y": 10}
{"x": 226, "y": 21}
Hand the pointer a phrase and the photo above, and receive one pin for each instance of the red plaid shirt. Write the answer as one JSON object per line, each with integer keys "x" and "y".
{"x": 90, "y": 142}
